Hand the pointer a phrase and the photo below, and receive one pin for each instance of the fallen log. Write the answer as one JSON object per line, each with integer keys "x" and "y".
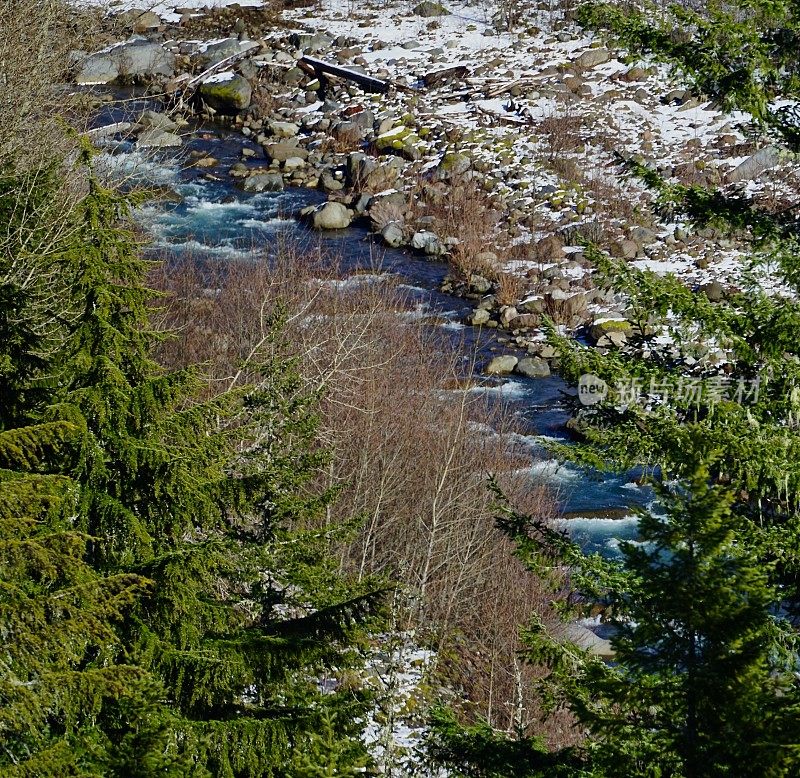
{"x": 367, "y": 83}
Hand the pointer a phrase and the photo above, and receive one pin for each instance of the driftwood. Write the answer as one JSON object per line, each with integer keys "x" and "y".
{"x": 321, "y": 69}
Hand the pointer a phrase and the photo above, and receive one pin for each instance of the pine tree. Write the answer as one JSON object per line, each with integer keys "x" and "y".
{"x": 205, "y": 603}
{"x": 702, "y": 682}
{"x": 212, "y": 502}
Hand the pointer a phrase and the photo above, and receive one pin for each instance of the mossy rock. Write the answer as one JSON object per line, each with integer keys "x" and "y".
{"x": 227, "y": 96}
{"x": 606, "y": 326}
{"x": 394, "y": 136}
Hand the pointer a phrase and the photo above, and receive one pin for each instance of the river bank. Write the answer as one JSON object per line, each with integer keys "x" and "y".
{"x": 497, "y": 151}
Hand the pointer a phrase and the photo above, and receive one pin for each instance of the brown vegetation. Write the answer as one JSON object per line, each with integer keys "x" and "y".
{"x": 409, "y": 457}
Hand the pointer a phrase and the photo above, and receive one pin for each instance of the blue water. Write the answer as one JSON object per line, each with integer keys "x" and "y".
{"x": 215, "y": 220}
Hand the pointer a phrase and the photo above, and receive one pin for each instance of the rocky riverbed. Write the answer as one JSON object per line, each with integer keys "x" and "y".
{"x": 497, "y": 145}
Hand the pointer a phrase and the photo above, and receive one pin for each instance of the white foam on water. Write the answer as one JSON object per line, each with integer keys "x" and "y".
{"x": 137, "y": 168}
{"x": 506, "y": 389}
{"x": 198, "y": 249}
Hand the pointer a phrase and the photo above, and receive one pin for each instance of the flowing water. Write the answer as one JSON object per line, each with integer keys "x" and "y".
{"x": 214, "y": 219}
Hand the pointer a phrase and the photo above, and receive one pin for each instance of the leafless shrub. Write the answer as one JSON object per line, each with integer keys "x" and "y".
{"x": 463, "y": 210}
{"x": 562, "y": 133}
{"x": 409, "y": 456}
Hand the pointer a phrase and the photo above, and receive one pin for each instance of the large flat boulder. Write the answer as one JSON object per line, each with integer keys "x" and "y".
{"x": 136, "y": 59}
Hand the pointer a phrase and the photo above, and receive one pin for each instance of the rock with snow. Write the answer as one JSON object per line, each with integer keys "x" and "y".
{"x": 754, "y": 166}
{"x": 136, "y": 59}
{"x": 332, "y": 216}
{"x": 227, "y": 93}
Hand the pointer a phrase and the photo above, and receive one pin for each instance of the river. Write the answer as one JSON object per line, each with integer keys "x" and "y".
{"x": 215, "y": 219}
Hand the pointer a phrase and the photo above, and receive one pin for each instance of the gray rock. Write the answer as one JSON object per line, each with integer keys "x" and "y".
{"x": 507, "y": 315}
{"x": 392, "y": 233}
{"x": 135, "y": 59}
{"x": 293, "y": 164}
{"x": 714, "y": 291}
{"x": 306, "y": 41}
{"x": 427, "y": 241}
{"x": 427, "y": 9}
{"x": 593, "y": 57}
{"x": 643, "y": 236}
{"x": 158, "y": 121}
{"x": 329, "y": 183}
{"x": 550, "y": 249}
{"x": 331, "y": 216}
{"x": 755, "y": 165}
{"x": 157, "y": 139}
{"x": 532, "y": 367}
{"x": 264, "y": 182}
{"x": 216, "y": 52}
{"x": 138, "y": 20}
{"x": 479, "y": 317}
{"x": 479, "y": 284}
{"x": 502, "y": 365}
{"x": 280, "y": 152}
{"x": 227, "y": 94}
{"x": 283, "y": 129}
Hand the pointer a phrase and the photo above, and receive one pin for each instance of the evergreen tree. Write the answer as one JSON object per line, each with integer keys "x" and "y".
{"x": 187, "y": 534}
{"x": 212, "y": 502}
{"x": 702, "y": 681}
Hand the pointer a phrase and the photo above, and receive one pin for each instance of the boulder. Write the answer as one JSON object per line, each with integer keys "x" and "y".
{"x": 157, "y": 139}
{"x": 264, "y": 182}
{"x": 306, "y": 41}
{"x": 227, "y": 92}
{"x": 502, "y": 365}
{"x": 331, "y": 216}
{"x": 158, "y": 121}
{"x": 550, "y": 249}
{"x": 428, "y": 9}
{"x": 601, "y": 327}
{"x": 453, "y": 164}
{"x": 393, "y": 139}
{"x": 479, "y": 284}
{"x": 280, "y": 152}
{"x": 429, "y": 242}
{"x": 532, "y": 367}
{"x": 591, "y": 58}
{"x": 136, "y": 59}
{"x": 507, "y": 315}
{"x": 755, "y": 165}
{"x": 139, "y": 20}
{"x": 714, "y": 291}
{"x": 392, "y": 233}
{"x": 216, "y": 52}
{"x": 479, "y": 317}
{"x": 283, "y": 129}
